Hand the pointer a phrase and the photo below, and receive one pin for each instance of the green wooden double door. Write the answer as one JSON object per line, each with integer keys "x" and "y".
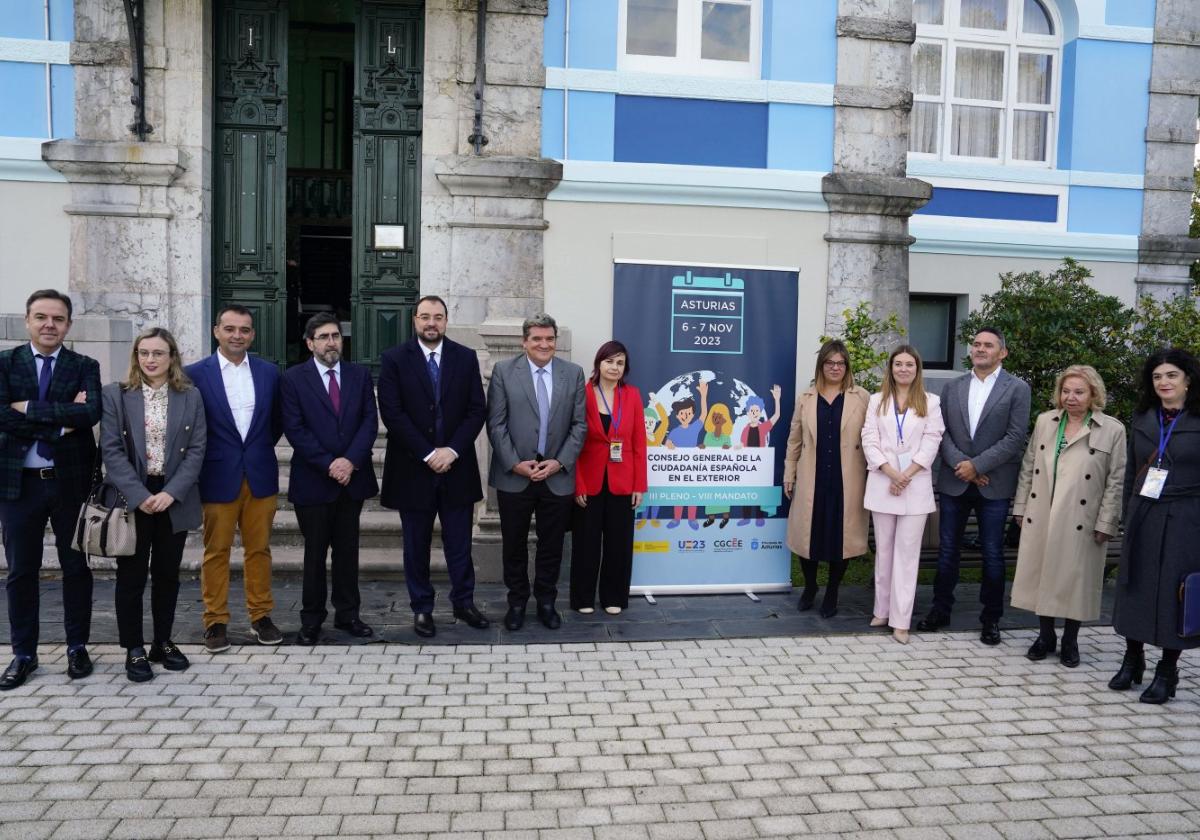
{"x": 250, "y": 175}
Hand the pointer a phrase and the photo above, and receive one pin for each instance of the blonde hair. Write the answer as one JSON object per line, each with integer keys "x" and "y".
{"x": 1089, "y": 375}
{"x": 723, "y": 410}
{"x": 830, "y": 348}
{"x": 177, "y": 380}
{"x": 916, "y": 391}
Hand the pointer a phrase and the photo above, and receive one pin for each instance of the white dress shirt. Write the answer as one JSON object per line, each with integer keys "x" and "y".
{"x": 548, "y": 376}
{"x": 981, "y": 389}
{"x": 239, "y": 391}
{"x": 34, "y": 461}
{"x": 323, "y": 372}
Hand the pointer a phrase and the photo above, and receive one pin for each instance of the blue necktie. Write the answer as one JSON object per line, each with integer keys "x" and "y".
{"x": 435, "y": 375}
{"x": 43, "y": 448}
{"x": 543, "y": 401}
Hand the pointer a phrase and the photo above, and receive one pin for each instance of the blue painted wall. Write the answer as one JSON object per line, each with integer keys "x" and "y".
{"x": 1106, "y": 102}
{"x": 986, "y": 204}
{"x": 800, "y": 40}
{"x": 24, "y": 111}
{"x": 552, "y": 33}
{"x": 652, "y": 129}
{"x": 593, "y": 34}
{"x": 23, "y": 19}
{"x": 552, "y": 124}
{"x": 591, "y": 130}
{"x": 1104, "y": 210}
{"x": 62, "y": 20}
{"x": 1129, "y": 13}
{"x": 62, "y": 100}
{"x": 800, "y": 137}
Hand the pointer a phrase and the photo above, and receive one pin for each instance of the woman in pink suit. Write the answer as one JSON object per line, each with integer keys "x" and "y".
{"x": 900, "y": 438}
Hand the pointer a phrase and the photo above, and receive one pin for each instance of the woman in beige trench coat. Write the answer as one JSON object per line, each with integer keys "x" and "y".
{"x": 1068, "y": 504}
{"x": 825, "y": 475}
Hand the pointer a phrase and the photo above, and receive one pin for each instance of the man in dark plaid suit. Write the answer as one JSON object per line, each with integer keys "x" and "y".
{"x": 49, "y": 402}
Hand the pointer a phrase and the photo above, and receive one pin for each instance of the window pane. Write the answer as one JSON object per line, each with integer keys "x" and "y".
{"x": 927, "y": 70}
{"x": 1031, "y": 130}
{"x": 1036, "y": 20}
{"x": 929, "y": 328}
{"x": 650, "y": 27}
{"x": 975, "y": 132}
{"x": 924, "y": 134}
{"x": 725, "y": 32}
{"x": 929, "y": 11}
{"x": 984, "y": 14}
{"x": 1035, "y": 75}
{"x": 979, "y": 74}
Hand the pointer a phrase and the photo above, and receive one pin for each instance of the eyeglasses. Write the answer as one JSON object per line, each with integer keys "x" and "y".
{"x": 834, "y": 364}
{"x": 153, "y": 354}
{"x": 327, "y": 337}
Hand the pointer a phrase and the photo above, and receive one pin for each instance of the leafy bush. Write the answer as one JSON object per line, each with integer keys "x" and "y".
{"x": 1166, "y": 323}
{"x": 867, "y": 337}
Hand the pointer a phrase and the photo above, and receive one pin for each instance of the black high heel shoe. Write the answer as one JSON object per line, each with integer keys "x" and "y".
{"x": 1133, "y": 666}
{"x": 1162, "y": 687}
{"x": 807, "y": 598}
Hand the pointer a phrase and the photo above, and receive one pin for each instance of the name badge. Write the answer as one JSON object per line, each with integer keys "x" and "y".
{"x": 614, "y": 450}
{"x": 905, "y": 460}
{"x": 1156, "y": 477}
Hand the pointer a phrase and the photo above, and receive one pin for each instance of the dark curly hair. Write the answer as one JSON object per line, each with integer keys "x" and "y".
{"x": 1182, "y": 359}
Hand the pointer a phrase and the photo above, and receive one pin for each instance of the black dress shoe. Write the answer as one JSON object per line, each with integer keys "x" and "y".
{"x": 1069, "y": 655}
{"x": 169, "y": 655}
{"x": 308, "y": 636}
{"x": 360, "y": 629}
{"x": 137, "y": 666}
{"x": 549, "y": 616}
{"x": 1040, "y": 649}
{"x": 79, "y": 664}
{"x": 1133, "y": 667}
{"x": 424, "y": 626}
{"x": 933, "y": 622}
{"x": 17, "y": 672}
{"x": 828, "y": 610}
{"x": 1162, "y": 687}
{"x": 514, "y": 619}
{"x": 807, "y": 599}
{"x": 989, "y": 634}
{"x": 472, "y": 616}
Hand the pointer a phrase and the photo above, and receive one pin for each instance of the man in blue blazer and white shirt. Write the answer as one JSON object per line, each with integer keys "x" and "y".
{"x": 239, "y": 482}
{"x": 431, "y": 399}
{"x": 536, "y": 423}
{"x": 329, "y": 417}
{"x": 986, "y": 412}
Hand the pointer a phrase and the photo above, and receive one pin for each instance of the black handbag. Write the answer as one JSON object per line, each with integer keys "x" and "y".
{"x": 1189, "y": 606}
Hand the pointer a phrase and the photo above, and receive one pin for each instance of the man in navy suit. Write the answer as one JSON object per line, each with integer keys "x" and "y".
{"x": 49, "y": 401}
{"x": 329, "y": 416}
{"x": 239, "y": 481}
{"x": 431, "y": 399}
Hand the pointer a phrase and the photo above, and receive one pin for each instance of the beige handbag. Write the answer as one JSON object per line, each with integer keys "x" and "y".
{"x": 103, "y": 531}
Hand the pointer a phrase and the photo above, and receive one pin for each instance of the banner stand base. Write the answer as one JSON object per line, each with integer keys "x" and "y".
{"x": 650, "y": 599}
{"x": 753, "y": 597}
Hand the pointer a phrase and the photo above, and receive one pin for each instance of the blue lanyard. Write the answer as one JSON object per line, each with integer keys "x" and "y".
{"x": 616, "y": 419}
{"x": 1164, "y": 435}
{"x": 899, "y": 421}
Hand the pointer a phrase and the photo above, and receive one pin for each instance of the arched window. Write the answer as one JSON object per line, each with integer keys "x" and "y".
{"x": 986, "y": 80}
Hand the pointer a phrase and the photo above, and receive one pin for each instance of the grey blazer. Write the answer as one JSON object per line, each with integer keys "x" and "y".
{"x": 186, "y": 437}
{"x": 999, "y": 442}
{"x": 512, "y": 423}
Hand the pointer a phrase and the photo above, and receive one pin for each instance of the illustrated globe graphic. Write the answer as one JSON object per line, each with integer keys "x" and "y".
{"x": 723, "y": 388}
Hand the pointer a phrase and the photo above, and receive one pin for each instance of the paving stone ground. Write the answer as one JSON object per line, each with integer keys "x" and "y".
{"x": 848, "y": 736}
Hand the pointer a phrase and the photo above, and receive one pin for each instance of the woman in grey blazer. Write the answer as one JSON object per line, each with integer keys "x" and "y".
{"x": 152, "y": 438}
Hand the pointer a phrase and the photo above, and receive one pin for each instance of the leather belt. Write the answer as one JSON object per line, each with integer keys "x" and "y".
{"x": 44, "y": 473}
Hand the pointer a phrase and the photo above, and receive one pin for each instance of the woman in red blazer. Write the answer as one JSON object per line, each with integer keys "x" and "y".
{"x": 610, "y": 478}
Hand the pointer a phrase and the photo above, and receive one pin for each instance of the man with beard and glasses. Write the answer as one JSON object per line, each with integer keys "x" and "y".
{"x": 431, "y": 400}
{"x": 329, "y": 417}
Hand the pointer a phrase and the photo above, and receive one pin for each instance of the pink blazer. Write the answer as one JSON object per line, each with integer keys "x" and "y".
{"x": 922, "y": 437}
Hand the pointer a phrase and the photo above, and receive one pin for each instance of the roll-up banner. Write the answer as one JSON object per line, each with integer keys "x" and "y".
{"x": 713, "y": 351}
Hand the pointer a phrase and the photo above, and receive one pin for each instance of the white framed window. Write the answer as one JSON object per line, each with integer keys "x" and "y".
{"x": 691, "y": 37}
{"x": 986, "y": 81}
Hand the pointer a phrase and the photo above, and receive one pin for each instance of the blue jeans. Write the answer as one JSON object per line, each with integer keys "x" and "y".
{"x": 992, "y": 515}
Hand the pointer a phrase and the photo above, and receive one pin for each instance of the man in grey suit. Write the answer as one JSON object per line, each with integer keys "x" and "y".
{"x": 536, "y": 424}
{"x": 986, "y": 413}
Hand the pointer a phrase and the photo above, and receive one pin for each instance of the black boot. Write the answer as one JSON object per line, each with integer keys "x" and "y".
{"x": 1133, "y": 666}
{"x": 1162, "y": 687}
{"x": 809, "y": 595}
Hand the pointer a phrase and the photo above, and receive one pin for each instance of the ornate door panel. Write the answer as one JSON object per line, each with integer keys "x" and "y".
{"x": 250, "y": 175}
{"x": 389, "y": 57}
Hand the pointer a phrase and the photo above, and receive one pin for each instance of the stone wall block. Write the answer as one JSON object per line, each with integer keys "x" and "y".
{"x": 1169, "y": 158}
{"x": 1166, "y": 212}
{"x": 877, "y": 29}
{"x": 1173, "y": 112}
{"x": 1181, "y": 183}
{"x": 1176, "y": 16}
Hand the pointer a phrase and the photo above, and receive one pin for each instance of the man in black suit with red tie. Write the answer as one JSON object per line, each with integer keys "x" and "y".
{"x": 329, "y": 417}
{"x": 431, "y": 400}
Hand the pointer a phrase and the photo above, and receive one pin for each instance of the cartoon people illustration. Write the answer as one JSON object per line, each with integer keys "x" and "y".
{"x": 655, "y": 417}
{"x": 688, "y": 434}
{"x": 717, "y": 427}
{"x": 756, "y": 433}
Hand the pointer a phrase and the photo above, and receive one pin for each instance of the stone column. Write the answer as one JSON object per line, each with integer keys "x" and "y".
{"x": 1165, "y": 253}
{"x": 869, "y": 197}
{"x": 139, "y": 210}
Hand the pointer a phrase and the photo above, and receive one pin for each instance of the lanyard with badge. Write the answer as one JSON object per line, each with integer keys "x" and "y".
{"x": 1156, "y": 476}
{"x": 614, "y": 446}
{"x": 903, "y": 454}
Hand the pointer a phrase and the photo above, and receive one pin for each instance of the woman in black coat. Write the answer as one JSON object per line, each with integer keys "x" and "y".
{"x": 1162, "y": 521}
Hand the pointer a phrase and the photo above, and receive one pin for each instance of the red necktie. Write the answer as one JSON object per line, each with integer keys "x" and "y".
{"x": 335, "y": 393}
